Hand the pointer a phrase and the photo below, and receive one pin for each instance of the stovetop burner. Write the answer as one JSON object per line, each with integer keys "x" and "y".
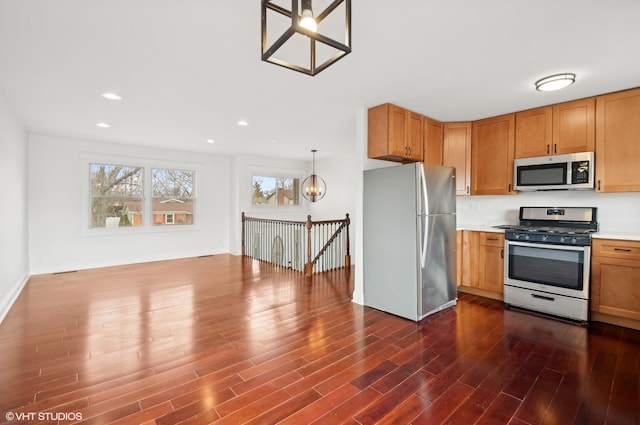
{"x": 553, "y": 225}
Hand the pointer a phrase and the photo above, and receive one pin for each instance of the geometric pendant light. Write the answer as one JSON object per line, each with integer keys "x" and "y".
{"x": 313, "y": 187}
{"x": 293, "y": 38}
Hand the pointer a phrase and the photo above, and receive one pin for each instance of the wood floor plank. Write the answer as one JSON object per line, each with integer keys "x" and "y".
{"x": 225, "y": 339}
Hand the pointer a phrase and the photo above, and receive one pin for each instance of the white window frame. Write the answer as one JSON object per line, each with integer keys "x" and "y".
{"x": 275, "y": 173}
{"x": 87, "y": 158}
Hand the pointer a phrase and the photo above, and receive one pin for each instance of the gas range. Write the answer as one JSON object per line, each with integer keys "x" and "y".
{"x": 547, "y": 261}
{"x": 553, "y": 225}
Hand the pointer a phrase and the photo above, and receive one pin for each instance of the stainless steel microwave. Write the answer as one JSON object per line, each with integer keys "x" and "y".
{"x": 555, "y": 172}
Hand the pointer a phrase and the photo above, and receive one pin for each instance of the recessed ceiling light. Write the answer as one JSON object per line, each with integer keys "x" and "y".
{"x": 243, "y": 123}
{"x": 211, "y": 141}
{"x": 555, "y": 82}
{"x": 103, "y": 125}
{"x": 111, "y": 96}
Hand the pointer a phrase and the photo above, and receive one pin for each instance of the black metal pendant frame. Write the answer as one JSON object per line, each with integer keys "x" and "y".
{"x": 343, "y": 48}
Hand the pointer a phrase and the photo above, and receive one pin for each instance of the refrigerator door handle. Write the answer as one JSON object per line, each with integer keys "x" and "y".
{"x": 425, "y": 232}
{"x": 425, "y": 202}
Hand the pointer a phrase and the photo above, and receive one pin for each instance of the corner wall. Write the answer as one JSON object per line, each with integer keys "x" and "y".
{"x": 14, "y": 248}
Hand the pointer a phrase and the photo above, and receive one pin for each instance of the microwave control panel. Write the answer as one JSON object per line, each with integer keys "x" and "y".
{"x": 580, "y": 172}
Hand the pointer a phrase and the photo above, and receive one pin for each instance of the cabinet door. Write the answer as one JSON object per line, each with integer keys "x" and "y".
{"x": 457, "y": 153}
{"x": 614, "y": 286}
{"x": 491, "y": 268}
{"x": 534, "y": 132}
{"x": 574, "y": 126}
{"x": 492, "y": 150}
{"x": 397, "y": 131}
{"x": 618, "y": 142}
{"x": 491, "y": 262}
{"x": 432, "y": 141}
{"x": 413, "y": 144}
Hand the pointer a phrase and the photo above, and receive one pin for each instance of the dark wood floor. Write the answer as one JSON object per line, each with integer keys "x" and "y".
{"x": 226, "y": 340}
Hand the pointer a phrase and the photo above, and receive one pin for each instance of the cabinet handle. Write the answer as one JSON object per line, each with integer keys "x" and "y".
{"x": 598, "y": 184}
{"x": 408, "y": 150}
{"x": 509, "y": 190}
{"x": 502, "y": 253}
{"x": 555, "y": 148}
{"x": 622, "y": 249}
{"x": 467, "y": 190}
{"x": 492, "y": 239}
{"x": 547, "y": 149}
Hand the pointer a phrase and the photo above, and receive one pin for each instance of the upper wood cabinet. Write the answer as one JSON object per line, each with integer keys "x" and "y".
{"x": 618, "y": 142}
{"x": 432, "y": 141}
{"x": 394, "y": 134}
{"x": 574, "y": 127}
{"x": 492, "y": 148}
{"x": 456, "y": 145}
{"x": 534, "y": 132}
{"x": 559, "y": 129}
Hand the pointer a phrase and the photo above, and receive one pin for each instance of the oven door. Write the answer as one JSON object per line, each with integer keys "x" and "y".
{"x": 555, "y": 269}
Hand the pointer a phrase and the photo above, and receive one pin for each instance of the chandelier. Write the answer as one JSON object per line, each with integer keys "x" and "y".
{"x": 313, "y": 187}
{"x": 301, "y": 33}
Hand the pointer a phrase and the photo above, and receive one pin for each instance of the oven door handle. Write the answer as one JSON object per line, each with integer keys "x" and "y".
{"x": 548, "y": 246}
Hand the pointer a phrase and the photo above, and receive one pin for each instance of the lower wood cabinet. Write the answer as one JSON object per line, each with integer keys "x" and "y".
{"x": 482, "y": 263}
{"x": 615, "y": 278}
{"x": 491, "y": 261}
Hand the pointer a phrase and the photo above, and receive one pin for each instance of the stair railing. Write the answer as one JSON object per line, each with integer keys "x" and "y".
{"x": 305, "y": 246}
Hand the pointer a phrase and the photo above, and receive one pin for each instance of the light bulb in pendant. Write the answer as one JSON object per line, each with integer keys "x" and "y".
{"x": 308, "y": 21}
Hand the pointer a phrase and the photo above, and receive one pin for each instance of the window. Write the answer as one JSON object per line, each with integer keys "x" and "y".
{"x": 269, "y": 190}
{"x": 172, "y": 196}
{"x": 116, "y": 195}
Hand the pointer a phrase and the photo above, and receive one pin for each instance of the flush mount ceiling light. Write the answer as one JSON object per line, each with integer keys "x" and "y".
{"x": 103, "y": 125}
{"x": 313, "y": 187}
{"x": 300, "y": 32}
{"x": 555, "y": 82}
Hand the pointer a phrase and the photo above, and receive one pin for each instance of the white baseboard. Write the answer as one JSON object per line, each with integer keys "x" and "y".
{"x": 11, "y": 297}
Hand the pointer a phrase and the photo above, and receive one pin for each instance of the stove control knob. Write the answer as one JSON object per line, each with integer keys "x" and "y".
{"x": 574, "y": 240}
{"x": 544, "y": 238}
{"x": 527, "y": 237}
{"x": 562, "y": 239}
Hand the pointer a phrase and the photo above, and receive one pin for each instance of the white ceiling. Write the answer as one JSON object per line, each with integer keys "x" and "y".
{"x": 188, "y": 70}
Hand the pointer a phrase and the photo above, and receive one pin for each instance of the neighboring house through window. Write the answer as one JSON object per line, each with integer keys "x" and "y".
{"x": 117, "y": 196}
{"x": 173, "y": 196}
{"x": 275, "y": 191}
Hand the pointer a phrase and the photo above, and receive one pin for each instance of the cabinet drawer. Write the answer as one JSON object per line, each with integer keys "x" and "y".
{"x": 616, "y": 248}
{"x": 491, "y": 239}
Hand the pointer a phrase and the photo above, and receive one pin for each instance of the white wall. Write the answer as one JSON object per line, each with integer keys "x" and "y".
{"x": 59, "y": 234}
{"x": 617, "y": 212}
{"x": 14, "y": 255}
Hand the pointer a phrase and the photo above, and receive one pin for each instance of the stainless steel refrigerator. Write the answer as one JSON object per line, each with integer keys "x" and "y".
{"x": 410, "y": 239}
